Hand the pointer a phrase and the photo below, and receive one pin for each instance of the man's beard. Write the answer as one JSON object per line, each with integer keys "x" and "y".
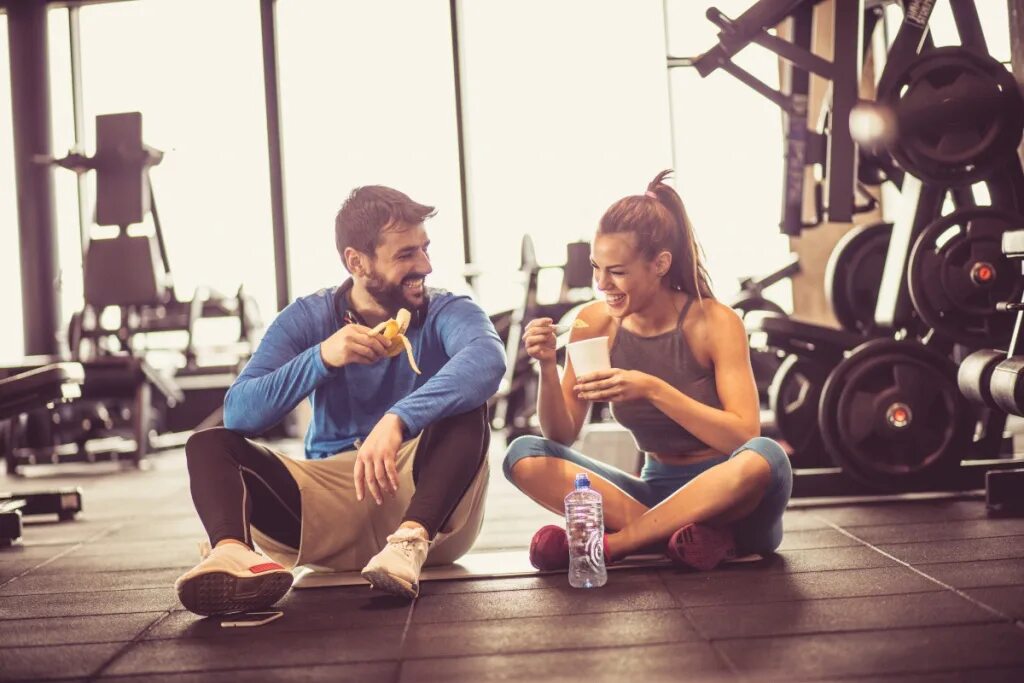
{"x": 393, "y": 296}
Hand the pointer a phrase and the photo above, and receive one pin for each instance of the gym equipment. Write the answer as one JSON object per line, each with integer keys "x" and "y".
{"x": 793, "y": 399}
{"x": 975, "y": 375}
{"x": 852, "y": 274}
{"x": 126, "y": 309}
{"x": 1004, "y": 493}
{"x": 514, "y": 406}
{"x": 891, "y": 415}
{"x": 959, "y": 115}
{"x": 33, "y": 389}
{"x": 751, "y": 300}
{"x": 958, "y": 273}
{"x": 111, "y": 421}
{"x": 990, "y": 377}
{"x": 833, "y": 150}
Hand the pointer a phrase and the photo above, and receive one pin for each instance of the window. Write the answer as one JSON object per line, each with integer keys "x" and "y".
{"x": 367, "y": 98}
{"x": 729, "y": 154}
{"x": 11, "y": 345}
{"x": 194, "y": 70}
{"x": 566, "y": 112}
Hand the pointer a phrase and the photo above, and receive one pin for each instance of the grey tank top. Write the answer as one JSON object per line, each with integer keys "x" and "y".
{"x": 669, "y": 357}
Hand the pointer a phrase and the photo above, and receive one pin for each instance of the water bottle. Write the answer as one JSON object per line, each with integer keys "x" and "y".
{"x": 584, "y": 524}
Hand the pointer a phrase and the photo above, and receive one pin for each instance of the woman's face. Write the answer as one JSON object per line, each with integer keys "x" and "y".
{"x": 627, "y": 279}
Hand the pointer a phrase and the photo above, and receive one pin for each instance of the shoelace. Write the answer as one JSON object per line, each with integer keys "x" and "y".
{"x": 406, "y": 546}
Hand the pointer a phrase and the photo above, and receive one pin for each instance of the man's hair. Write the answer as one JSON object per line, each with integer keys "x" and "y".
{"x": 371, "y": 210}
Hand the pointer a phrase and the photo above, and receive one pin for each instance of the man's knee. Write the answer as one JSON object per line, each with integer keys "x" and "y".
{"x": 210, "y": 441}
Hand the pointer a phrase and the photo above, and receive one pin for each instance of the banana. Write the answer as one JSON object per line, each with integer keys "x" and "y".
{"x": 393, "y": 332}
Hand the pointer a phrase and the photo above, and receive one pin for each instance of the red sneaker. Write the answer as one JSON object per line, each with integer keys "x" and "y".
{"x": 701, "y": 547}
{"x": 549, "y": 548}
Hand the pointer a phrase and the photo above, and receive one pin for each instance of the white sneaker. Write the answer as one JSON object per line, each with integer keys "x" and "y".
{"x": 231, "y": 578}
{"x": 396, "y": 568}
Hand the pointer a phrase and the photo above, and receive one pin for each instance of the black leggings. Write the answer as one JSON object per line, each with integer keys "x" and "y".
{"x": 237, "y": 483}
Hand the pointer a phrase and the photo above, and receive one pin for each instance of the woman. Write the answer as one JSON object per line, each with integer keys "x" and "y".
{"x": 680, "y": 382}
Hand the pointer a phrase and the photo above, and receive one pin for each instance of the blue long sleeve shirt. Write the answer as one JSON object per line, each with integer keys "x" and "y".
{"x": 456, "y": 348}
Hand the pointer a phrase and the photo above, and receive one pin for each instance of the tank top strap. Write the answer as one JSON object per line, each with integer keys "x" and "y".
{"x": 684, "y": 311}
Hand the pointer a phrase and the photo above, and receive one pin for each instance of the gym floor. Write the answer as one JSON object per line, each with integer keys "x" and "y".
{"x": 915, "y": 590}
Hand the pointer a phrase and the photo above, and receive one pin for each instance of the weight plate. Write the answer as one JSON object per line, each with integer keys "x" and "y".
{"x": 853, "y": 275}
{"x": 892, "y": 418}
{"x": 958, "y": 273}
{"x": 959, "y": 114}
{"x": 793, "y": 399}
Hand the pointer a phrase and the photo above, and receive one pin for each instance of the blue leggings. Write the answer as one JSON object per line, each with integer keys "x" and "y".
{"x": 759, "y": 532}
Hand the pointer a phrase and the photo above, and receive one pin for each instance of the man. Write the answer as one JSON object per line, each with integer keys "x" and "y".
{"x": 387, "y": 449}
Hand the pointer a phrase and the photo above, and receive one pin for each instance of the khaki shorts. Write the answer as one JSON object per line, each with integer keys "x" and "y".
{"x": 340, "y": 533}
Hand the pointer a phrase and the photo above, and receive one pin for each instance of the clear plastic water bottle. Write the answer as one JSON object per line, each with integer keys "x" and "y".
{"x": 584, "y": 524}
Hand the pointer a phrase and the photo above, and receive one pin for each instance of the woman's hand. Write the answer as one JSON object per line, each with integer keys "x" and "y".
{"x": 539, "y": 339}
{"x": 614, "y": 385}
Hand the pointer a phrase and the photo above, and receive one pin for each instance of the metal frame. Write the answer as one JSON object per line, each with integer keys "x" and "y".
{"x": 467, "y": 243}
{"x": 840, "y": 160}
{"x": 268, "y": 23}
{"x": 37, "y": 230}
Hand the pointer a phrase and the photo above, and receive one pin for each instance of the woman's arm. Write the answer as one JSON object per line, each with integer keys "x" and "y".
{"x": 561, "y": 412}
{"x": 738, "y": 421}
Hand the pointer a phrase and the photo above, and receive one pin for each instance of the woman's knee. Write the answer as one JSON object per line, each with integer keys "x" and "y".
{"x": 772, "y": 453}
{"x": 521, "y": 452}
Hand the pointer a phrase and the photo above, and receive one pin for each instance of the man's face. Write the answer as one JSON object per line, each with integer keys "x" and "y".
{"x": 395, "y": 275}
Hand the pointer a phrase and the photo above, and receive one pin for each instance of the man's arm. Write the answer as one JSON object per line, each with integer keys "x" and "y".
{"x": 470, "y": 377}
{"x": 284, "y": 370}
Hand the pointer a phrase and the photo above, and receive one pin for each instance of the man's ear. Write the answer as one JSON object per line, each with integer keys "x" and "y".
{"x": 355, "y": 261}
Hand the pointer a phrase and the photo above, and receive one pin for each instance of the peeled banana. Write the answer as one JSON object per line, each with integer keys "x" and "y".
{"x": 393, "y": 332}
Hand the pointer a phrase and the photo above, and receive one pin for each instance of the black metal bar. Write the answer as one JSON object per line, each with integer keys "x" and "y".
{"x": 793, "y": 52}
{"x": 668, "y": 84}
{"x": 157, "y": 227}
{"x": 467, "y": 250}
{"x": 919, "y": 205}
{"x": 794, "y": 121}
{"x": 968, "y": 25}
{"x": 37, "y": 230}
{"x": 78, "y": 114}
{"x": 910, "y": 38}
{"x": 841, "y": 167}
{"x": 1016, "y": 12}
{"x": 268, "y": 23}
{"x": 757, "y": 85}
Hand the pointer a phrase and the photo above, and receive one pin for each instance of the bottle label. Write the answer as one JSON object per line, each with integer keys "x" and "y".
{"x": 595, "y": 548}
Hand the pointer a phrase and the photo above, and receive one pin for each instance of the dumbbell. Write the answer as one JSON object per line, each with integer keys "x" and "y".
{"x": 1007, "y": 385}
{"x": 987, "y": 377}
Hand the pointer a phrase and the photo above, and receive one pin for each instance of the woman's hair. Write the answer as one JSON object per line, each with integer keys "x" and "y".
{"x": 659, "y": 221}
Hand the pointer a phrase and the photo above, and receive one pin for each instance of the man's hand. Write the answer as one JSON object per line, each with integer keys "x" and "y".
{"x": 353, "y": 344}
{"x": 375, "y": 462}
{"x": 614, "y": 385}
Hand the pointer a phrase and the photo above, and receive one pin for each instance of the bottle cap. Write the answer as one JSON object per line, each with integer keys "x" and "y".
{"x": 582, "y": 481}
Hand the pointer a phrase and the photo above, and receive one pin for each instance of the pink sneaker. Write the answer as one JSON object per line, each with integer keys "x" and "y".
{"x": 701, "y": 547}
{"x": 549, "y": 548}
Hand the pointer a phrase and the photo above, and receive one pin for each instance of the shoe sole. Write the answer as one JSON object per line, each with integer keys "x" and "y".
{"x": 388, "y": 583}
{"x": 701, "y": 547}
{"x": 216, "y": 593}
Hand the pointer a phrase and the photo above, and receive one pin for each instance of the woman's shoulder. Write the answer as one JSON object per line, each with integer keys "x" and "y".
{"x": 718, "y": 319}
{"x": 592, "y": 321}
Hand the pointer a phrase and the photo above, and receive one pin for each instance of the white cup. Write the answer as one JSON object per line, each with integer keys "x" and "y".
{"x": 589, "y": 355}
